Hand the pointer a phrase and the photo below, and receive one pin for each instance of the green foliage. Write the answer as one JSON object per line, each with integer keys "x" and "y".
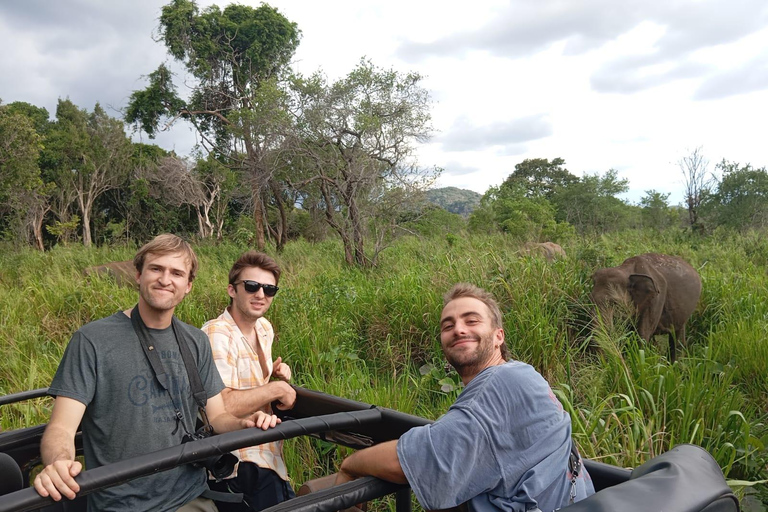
{"x": 510, "y": 209}
{"x": 253, "y": 43}
{"x": 86, "y": 154}
{"x": 20, "y": 146}
{"x": 64, "y": 231}
{"x": 591, "y": 206}
{"x": 372, "y": 335}
{"x": 147, "y": 107}
{"x": 433, "y": 220}
{"x": 740, "y": 200}
{"x": 540, "y": 178}
{"x": 656, "y": 213}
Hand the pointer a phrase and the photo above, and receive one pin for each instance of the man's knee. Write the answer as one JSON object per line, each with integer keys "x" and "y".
{"x": 199, "y": 505}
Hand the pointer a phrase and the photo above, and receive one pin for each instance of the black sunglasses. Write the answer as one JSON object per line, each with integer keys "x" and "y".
{"x": 270, "y": 290}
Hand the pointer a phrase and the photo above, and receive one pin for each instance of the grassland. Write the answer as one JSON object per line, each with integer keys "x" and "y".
{"x": 372, "y": 336}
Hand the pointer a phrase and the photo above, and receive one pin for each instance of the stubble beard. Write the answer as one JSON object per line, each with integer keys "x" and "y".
{"x": 472, "y": 363}
{"x": 159, "y": 304}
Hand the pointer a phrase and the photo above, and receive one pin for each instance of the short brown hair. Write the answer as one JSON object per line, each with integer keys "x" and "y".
{"x": 167, "y": 243}
{"x": 460, "y": 290}
{"x": 254, "y": 259}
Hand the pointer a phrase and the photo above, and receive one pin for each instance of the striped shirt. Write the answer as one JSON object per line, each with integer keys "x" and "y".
{"x": 240, "y": 368}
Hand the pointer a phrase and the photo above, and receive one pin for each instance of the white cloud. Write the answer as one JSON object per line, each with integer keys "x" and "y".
{"x": 603, "y": 84}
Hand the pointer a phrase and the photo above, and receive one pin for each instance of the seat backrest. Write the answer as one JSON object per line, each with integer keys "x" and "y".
{"x": 10, "y": 475}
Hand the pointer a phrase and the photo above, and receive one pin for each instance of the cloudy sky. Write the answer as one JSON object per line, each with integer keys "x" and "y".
{"x": 632, "y": 85}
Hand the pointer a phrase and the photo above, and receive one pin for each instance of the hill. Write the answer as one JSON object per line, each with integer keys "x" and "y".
{"x": 455, "y": 200}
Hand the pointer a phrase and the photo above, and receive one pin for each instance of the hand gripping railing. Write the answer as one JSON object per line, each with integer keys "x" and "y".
{"x": 163, "y": 460}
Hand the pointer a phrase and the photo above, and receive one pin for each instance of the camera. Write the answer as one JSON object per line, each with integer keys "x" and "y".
{"x": 220, "y": 466}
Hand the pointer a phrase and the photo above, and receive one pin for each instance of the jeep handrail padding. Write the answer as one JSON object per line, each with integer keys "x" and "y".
{"x": 339, "y": 497}
{"x": 23, "y": 395}
{"x": 162, "y": 460}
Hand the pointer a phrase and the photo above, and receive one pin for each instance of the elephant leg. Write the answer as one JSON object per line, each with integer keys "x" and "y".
{"x": 674, "y": 335}
{"x": 672, "y": 347}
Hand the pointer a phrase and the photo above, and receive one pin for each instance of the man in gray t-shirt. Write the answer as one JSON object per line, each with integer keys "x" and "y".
{"x": 106, "y": 382}
{"x": 505, "y": 444}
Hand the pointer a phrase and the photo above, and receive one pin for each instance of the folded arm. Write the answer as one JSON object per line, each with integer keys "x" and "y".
{"x": 244, "y": 402}
{"x": 223, "y": 421}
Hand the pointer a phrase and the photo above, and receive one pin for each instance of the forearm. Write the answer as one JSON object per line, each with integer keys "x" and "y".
{"x": 380, "y": 461}
{"x": 57, "y": 444}
{"x": 226, "y": 422}
{"x": 244, "y": 402}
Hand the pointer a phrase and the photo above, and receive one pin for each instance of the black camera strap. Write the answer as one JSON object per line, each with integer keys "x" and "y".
{"x": 195, "y": 383}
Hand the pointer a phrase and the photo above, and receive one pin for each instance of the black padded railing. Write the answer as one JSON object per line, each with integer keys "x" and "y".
{"x": 24, "y": 395}
{"x": 163, "y": 460}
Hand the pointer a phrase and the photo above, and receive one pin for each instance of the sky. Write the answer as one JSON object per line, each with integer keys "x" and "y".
{"x": 630, "y": 85}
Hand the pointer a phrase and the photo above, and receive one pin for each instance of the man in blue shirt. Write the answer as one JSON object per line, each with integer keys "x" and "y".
{"x": 505, "y": 444}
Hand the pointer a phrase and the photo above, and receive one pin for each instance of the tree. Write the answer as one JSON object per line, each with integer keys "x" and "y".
{"x": 512, "y": 210}
{"x": 656, "y": 212}
{"x": 206, "y": 186}
{"x": 86, "y": 155}
{"x": 355, "y": 141}
{"x": 236, "y": 56}
{"x": 591, "y": 205}
{"x": 540, "y": 178}
{"x": 740, "y": 200}
{"x": 23, "y": 193}
{"x": 697, "y": 182}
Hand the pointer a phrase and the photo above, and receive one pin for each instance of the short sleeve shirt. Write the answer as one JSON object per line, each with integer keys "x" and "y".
{"x": 240, "y": 368}
{"x": 503, "y": 445}
{"x": 127, "y": 412}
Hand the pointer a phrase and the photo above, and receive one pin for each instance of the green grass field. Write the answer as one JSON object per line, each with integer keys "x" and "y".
{"x": 365, "y": 335}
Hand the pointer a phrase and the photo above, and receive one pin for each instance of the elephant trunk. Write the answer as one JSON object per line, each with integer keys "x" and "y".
{"x": 603, "y": 315}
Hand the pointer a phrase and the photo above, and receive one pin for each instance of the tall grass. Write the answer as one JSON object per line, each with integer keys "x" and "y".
{"x": 371, "y": 335}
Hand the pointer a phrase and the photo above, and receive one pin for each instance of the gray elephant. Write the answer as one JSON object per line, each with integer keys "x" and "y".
{"x": 549, "y": 250}
{"x": 663, "y": 289}
{"x": 123, "y": 272}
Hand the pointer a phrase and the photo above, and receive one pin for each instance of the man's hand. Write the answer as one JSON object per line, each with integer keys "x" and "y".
{"x": 57, "y": 449}
{"x": 284, "y": 394}
{"x": 281, "y": 370}
{"x": 343, "y": 477}
{"x": 57, "y": 479}
{"x": 264, "y": 421}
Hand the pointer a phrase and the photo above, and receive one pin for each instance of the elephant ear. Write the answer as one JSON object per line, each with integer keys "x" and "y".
{"x": 643, "y": 290}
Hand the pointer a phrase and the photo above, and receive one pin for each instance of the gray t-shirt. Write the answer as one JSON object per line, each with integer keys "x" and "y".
{"x": 503, "y": 445}
{"x": 127, "y": 412}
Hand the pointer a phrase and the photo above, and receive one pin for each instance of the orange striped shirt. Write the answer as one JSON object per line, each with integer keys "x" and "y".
{"x": 239, "y": 366}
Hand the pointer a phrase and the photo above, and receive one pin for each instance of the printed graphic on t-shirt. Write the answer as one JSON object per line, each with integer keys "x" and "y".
{"x": 145, "y": 391}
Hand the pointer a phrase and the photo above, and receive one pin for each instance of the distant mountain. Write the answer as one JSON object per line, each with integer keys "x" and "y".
{"x": 455, "y": 200}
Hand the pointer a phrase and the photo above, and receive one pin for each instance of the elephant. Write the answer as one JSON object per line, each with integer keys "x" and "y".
{"x": 664, "y": 291}
{"x": 123, "y": 272}
{"x": 549, "y": 250}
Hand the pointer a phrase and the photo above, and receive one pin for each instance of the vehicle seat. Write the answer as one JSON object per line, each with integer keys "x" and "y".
{"x": 11, "y": 479}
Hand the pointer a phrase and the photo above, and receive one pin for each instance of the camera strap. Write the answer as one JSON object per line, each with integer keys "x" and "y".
{"x": 195, "y": 383}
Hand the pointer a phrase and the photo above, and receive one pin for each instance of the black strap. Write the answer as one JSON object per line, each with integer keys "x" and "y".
{"x": 198, "y": 391}
{"x": 195, "y": 383}
{"x": 574, "y": 460}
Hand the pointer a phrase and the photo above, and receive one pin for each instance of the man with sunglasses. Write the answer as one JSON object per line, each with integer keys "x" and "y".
{"x": 241, "y": 339}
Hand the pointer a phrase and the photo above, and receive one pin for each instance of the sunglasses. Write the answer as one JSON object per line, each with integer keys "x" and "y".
{"x": 270, "y": 290}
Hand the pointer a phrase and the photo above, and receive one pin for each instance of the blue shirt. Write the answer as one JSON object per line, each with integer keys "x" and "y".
{"x": 503, "y": 445}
